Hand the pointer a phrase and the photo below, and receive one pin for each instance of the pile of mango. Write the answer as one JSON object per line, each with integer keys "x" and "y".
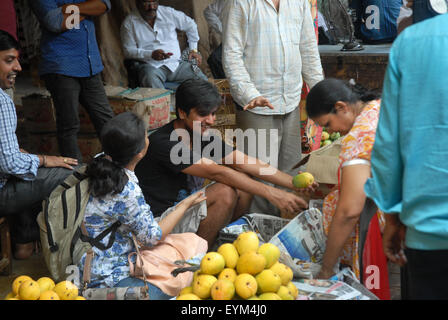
{"x": 25, "y": 288}
{"x": 242, "y": 270}
{"x": 327, "y": 138}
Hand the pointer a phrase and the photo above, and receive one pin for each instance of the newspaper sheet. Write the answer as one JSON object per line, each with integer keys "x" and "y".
{"x": 303, "y": 239}
{"x": 314, "y": 289}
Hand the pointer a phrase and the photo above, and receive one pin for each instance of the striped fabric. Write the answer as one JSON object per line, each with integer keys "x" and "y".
{"x": 266, "y": 52}
{"x": 12, "y": 161}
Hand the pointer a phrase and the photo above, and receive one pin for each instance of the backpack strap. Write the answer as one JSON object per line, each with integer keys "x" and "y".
{"x": 87, "y": 268}
{"x": 96, "y": 242}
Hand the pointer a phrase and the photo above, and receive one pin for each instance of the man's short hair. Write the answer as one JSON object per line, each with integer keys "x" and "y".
{"x": 7, "y": 41}
{"x": 199, "y": 94}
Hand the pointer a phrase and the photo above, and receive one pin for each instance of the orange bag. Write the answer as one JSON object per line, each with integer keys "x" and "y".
{"x": 154, "y": 264}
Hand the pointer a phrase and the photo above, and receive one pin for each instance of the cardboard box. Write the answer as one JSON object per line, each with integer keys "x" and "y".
{"x": 153, "y": 105}
{"x": 323, "y": 163}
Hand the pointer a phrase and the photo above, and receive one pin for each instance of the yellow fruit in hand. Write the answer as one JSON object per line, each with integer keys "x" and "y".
{"x": 17, "y": 282}
{"x": 245, "y": 285}
{"x": 283, "y": 271}
{"x": 284, "y": 293}
{"x": 223, "y": 290}
{"x": 49, "y": 295}
{"x": 268, "y": 281}
{"x": 203, "y": 284}
{"x": 227, "y": 274}
{"x": 66, "y": 290}
{"x": 230, "y": 254}
{"x": 271, "y": 252}
{"x": 247, "y": 241}
{"x": 303, "y": 180}
{"x": 293, "y": 289}
{"x": 212, "y": 263}
{"x": 188, "y": 296}
{"x": 186, "y": 290}
{"x": 45, "y": 284}
{"x": 250, "y": 262}
{"x": 29, "y": 290}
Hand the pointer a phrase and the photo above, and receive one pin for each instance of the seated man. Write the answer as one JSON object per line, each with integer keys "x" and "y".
{"x": 150, "y": 37}
{"x": 25, "y": 179}
{"x": 174, "y": 169}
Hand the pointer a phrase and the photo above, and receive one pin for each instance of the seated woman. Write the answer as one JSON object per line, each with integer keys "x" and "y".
{"x": 116, "y": 196}
{"x": 354, "y": 112}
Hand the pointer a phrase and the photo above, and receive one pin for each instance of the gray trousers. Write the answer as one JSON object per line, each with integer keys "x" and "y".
{"x": 151, "y": 77}
{"x": 282, "y": 153}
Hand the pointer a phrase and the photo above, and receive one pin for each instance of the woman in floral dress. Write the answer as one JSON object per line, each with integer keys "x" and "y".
{"x": 116, "y": 196}
{"x": 354, "y": 112}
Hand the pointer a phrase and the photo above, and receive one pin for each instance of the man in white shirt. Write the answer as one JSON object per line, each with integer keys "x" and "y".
{"x": 150, "y": 37}
{"x": 214, "y": 14}
{"x": 268, "y": 46}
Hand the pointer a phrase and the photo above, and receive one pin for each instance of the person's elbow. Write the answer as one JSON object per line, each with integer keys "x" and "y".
{"x": 351, "y": 211}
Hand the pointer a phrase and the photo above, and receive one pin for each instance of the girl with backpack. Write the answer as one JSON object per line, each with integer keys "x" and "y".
{"x": 115, "y": 195}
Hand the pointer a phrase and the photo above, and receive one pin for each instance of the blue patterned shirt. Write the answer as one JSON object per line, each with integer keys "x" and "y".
{"x": 73, "y": 52}
{"x": 130, "y": 208}
{"x": 12, "y": 160}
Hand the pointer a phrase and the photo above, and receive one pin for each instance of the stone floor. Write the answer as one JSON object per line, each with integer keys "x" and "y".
{"x": 34, "y": 267}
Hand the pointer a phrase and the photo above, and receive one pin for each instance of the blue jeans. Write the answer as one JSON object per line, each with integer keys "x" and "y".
{"x": 154, "y": 292}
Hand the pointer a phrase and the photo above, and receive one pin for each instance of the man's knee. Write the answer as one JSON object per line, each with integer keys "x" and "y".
{"x": 223, "y": 195}
{"x": 151, "y": 77}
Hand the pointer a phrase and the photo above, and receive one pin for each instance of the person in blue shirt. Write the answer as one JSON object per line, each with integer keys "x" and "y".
{"x": 409, "y": 158}
{"x": 376, "y": 20}
{"x": 71, "y": 66}
{"x": 25, "y": 179}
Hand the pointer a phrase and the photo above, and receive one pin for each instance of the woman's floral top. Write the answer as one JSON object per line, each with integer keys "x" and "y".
{"x": 357, "y": 144}
{"x": 130, "y": 208}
